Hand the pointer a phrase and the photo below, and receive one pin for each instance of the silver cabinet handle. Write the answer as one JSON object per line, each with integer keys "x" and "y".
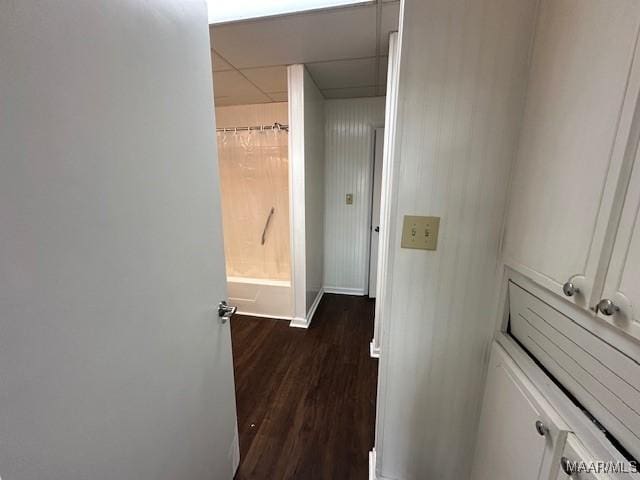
{"x": 607, "y": 307}
{"x": 567, "y": 467}
{"x": 541, "y": 428}
{"x": 570, "y": 289}
{"x": 225, "y": 312}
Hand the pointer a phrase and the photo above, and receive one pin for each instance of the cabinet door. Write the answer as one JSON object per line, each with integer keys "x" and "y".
{"x": 511, "y": 443}
{"x": 622, "y": 285}
{"x": 575, "y": 127}
{"x": 576, "y": 456}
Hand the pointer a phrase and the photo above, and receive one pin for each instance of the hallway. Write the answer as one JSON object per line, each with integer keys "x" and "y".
{"x": 306, "y": 398}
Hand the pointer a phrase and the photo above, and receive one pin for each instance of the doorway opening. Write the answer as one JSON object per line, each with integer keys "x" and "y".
{"x": 253, "y": 162}
{"x": 300, "y": 141}
{"x": 376, "y": 194}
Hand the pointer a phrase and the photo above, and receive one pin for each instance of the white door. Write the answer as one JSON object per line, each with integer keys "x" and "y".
{"x": 622, "y": 285}
{"x": 113, "y": 361}
{"x": 574, "y": 132}
{"x": 375, "y": 211}
{"x": 519, "y": 434}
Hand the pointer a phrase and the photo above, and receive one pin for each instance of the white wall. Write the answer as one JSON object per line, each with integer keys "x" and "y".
{"x": 461, "y": 93}
{"x": 306, "y": 183}
{"x": 349, "y": 127}
{"x": 113, "y": 363}
{"x": 314, "y": 178}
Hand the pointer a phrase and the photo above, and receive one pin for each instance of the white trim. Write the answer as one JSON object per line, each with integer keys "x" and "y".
{"x": 374, "y": 351}
{"x": 299, "y": 322}
{"x": 372, "y": 465}
{"x": 259, "y": 281}
{"x": 389, "y": 175}
{"x": 297, "y": 191}
{"x": 234, "y": 450}
{"x": 263, "y": 315}
{"x": 388, "y": 213}
{"x": 314, "y": 305}
{"x": 345, "y": 291}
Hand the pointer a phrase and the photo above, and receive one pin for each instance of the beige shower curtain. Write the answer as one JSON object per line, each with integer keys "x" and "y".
{"x": 254, "y": 180}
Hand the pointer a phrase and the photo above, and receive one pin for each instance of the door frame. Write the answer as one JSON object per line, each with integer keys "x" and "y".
{"x": 389, "y": 179}
{"x": 378, "y": 135}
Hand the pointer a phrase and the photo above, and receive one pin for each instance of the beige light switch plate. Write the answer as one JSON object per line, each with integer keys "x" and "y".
{"x": 420, "y": 232}
{"x": 349, "y": 199}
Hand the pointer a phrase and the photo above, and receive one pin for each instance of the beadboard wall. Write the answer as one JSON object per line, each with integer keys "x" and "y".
{"x": 349, "y": 128}
{"x": 463, "y": 70}
{"x": 313, "y": 193}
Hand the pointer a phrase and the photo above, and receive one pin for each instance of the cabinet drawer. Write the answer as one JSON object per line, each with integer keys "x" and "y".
{"x": 520, "y": 434}
{"x": 601, "y": 377}
{"x": 577, "y": 456}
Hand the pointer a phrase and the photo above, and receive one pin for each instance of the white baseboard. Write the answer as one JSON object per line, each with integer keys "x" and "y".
{"x": 372, "y": 467}
{"x": 374, "y": 351}
{"x": 262, "y": 315}
{"x": 345, "y": 291}
{"x": 234, "y": 451}
{"x": 314, "y": 305}
{"x": 298, "y": 322}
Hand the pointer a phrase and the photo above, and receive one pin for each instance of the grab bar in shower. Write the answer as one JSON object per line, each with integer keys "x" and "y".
{"x": 266, "y": 225}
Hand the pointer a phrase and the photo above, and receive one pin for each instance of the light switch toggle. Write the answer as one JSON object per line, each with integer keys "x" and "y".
{"x": 420, "y": 232}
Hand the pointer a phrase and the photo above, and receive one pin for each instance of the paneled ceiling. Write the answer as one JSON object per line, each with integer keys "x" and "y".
{"x": 345, "y": 50}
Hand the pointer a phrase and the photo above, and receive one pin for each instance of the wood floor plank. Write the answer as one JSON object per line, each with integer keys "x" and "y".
{"x": 306, "y": 398}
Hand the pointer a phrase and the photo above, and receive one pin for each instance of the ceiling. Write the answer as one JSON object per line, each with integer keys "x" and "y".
{"x": 345, "y": 50}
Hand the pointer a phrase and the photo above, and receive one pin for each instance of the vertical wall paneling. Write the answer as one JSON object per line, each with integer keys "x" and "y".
{"x": 314, "y": 177}
{"x": 349, "y": 127}
{"x": 463, "y": 72}
{"x": 389, "y": 173}
{"x": 306, "y": 177}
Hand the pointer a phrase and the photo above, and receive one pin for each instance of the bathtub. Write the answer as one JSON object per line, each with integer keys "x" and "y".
{"x": 261, "y": 297}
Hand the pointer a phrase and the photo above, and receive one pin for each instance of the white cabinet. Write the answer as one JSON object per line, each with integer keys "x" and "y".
{"x": 622, "y": 285}
{"x": 520, "y": 435}
{"x": 574, "y": 145}
{"x": 575, "y": 462}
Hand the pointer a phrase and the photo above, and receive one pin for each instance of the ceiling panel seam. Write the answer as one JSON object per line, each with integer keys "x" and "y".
{"x": 243, "y": 75}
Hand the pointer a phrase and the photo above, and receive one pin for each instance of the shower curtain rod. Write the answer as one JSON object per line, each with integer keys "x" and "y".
{"x": 275, "y": 126}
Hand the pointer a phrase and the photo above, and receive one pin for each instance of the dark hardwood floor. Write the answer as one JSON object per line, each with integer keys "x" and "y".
{"x": 306, "y": 398}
